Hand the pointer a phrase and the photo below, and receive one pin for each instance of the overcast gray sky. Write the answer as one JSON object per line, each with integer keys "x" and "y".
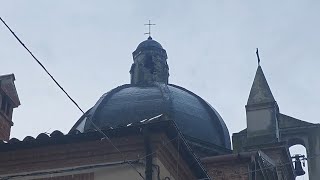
{"x": 87, "y": 46}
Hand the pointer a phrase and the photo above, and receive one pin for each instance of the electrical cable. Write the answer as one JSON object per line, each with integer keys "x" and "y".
{"x": 81, "y": 168}
{"x": 90, "y": 166}
{"x": 67, "y": 94}
{"x": 95, "y": 126}
{"x": 43, "y": 67}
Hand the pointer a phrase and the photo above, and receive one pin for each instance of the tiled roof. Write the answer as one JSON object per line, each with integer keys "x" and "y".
{"x": 57, "y": 137}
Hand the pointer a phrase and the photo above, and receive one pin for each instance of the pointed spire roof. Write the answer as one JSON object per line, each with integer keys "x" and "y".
{"x": 260, "y": 91}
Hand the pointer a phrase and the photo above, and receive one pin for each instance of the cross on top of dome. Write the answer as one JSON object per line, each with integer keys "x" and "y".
{"x": 149, "y": 32}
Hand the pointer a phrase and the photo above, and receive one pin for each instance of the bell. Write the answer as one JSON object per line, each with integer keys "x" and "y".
{"x": 298, "y": 167}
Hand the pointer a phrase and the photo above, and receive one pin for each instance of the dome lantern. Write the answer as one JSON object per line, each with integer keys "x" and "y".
{"x": 149, "y": 63}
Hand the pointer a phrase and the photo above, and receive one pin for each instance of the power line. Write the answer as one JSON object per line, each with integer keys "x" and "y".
{"x": 73, "y": 101}
{"x": 134, "y": 161}
{"x": 137, "y": 160}
{"x": 70, "y": 98}
{"x": 43, "y": 67}
{"x": 128, "y": 162}
{"x": 95, "y": 126}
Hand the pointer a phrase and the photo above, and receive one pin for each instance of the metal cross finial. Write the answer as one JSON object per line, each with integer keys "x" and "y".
{"x": 257, "y": 52}
{"x": 149, "y": 24}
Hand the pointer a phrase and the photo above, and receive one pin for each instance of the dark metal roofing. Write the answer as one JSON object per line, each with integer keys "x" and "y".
{"x": 130, "y": 104}
{"x": 7, "y": 76}
{"x": 149, "y": 43}
{"x": 57, "y": 137}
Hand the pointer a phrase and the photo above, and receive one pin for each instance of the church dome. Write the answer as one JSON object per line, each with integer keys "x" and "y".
{"x": 130, "y": 104}
{"x": 150, "y": 95}
{"x": 149, "y": 43}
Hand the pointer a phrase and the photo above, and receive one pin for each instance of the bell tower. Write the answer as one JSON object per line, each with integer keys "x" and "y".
{"x": 8, "y": 101}
{"x": 262, "y": 111}
{"x": 274, "y": 133}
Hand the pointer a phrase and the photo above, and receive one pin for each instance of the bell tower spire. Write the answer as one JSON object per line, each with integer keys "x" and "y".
{"x": 262, "y": 111}
{"x": 260, "y": 91}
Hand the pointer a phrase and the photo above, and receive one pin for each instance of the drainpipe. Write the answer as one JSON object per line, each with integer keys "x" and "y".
{"x": 148, "y": 151}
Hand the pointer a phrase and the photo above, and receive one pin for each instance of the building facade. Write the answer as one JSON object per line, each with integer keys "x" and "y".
{"x": 151, "y": 129}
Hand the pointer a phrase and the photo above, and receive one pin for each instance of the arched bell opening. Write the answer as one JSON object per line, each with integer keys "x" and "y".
{"x": 299, "y": 159}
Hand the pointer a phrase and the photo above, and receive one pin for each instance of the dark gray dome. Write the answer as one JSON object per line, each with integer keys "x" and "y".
{"x": 130, "y": 104}
{"x": 149, "y": 43}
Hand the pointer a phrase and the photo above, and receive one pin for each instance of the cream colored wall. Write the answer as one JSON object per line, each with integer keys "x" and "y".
{"x": 114, "y": 172}
{"x": 121, "y": 172}
{"x": 126, "y": 172}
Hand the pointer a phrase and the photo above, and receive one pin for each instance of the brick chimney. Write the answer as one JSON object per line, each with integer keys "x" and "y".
{"x": 8, "y": 101}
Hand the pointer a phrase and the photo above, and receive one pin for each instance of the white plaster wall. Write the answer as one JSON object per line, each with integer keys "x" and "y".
{"x": 126, "y": 172}
{"x": 119, "y": 172}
